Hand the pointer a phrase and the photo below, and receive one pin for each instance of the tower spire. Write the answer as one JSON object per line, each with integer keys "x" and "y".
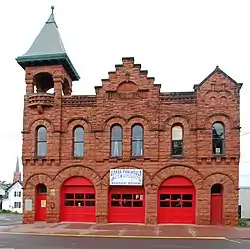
{"x": 48, "y": 49}
{"x": 17, "y": 173}
{"x": 17, "y": 166}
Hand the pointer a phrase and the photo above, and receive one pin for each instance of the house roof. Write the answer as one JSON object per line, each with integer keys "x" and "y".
{"x": 48, "y": 49}
{"x": 14, "y": 183}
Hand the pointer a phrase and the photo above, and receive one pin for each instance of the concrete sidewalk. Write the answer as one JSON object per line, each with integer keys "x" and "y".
{"x": 129, "y": 230}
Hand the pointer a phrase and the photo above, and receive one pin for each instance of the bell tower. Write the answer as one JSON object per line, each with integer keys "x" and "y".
{"x": 47, "y": 64}
{"x": 49, "y": 74}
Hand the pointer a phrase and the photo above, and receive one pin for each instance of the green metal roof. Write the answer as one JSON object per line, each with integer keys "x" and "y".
{"x": 48, "y": 49}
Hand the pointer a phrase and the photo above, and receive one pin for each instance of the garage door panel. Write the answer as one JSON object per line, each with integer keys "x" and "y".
{"x": 126, "y": 205}
{"x": 176, "y": 205}
{"x": 78, "y": 204}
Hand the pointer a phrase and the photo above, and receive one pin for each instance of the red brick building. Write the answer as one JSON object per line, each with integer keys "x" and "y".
{"x": 129, "y": 153}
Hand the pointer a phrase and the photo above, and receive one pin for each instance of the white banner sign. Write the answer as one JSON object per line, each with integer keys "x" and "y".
{"x": 126, "y": 177}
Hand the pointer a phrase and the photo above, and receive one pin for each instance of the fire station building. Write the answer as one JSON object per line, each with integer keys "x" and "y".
{"x": 130, "y": 153}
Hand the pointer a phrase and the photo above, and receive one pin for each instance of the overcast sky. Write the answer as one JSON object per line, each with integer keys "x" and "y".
{"x": 178, "y": 42}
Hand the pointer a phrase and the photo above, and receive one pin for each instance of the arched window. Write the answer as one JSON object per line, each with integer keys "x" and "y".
{"x": 41, "y": 188}
{"x": 41, "y": 141}
{"x": 116, "y": 141}
{"x": 217, "y": 189}
{"x": 177, "y": 140}
{"x": 137, "y": 140}
{"x": 78, "y": 141}
{"x": 218, "y": 138}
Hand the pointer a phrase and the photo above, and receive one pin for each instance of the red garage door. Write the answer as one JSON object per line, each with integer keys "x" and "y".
{"x": 126, "y": 205}
{"x": 176, "y": 201}
{"x": 78, "y": 200}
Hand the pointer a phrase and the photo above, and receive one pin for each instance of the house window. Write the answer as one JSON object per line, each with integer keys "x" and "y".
{"x": 137, "y": 140}
{"x": 177, "y": 140}
{"x": 17, "y": 194}
{"x": 218, "y": 138}
{"x": 78, "y": 142}
{"x": 17, "y": 204}
{"x": 116, "y": 141}
{"x": 41, "y": 141}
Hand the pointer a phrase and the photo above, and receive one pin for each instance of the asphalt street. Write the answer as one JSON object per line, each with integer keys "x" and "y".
{"x": 10, "y": 219}
{"x": 56, "y": 242}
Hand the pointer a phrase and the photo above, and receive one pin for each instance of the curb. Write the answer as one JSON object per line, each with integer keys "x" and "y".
{"x": 112, "y": 236}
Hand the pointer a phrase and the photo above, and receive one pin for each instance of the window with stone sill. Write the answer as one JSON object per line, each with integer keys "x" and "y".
{"x": 137, "y": 140}
{"x": 41, "y": 141}
{"x": 78, "y": 142}
{"x": 218, "y": 138}
{"x": 177, "y": 140}
{"x": 116, "y": 141}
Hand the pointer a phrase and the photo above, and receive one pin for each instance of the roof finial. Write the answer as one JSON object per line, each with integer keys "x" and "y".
{"x": 52, "y": 10}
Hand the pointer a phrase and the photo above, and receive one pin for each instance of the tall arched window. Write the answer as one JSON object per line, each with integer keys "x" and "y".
{"x": 218, "y": 138}
{"x": 41, "y": 141}
{"x": 177, "y": 140}
{"x": 116, "y": 141}
{"x": 78, "y": 141}
{"x": 137, "y": 140}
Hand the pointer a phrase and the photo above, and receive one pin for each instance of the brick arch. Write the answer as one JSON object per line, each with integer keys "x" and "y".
{"x": 225, "y": 180}
{"x": 146, "y": 176}
{"x": 43, "y": 70}
{"x": 78, "y": 121}
{"x": 114, "y": 120}
{"x": 127, "y": 87}
{"x": 139, "y": 119}
{"x": 77, "y": 170}
{"x": 45, "y": 122}
{"x": 177, "y": 119}
{"x": 178, "y": 170}
{"x": 218, "y": 117}
{"x": 39, "y": 178}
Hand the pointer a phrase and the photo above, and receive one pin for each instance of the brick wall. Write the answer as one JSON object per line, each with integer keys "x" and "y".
{"x": 127, "y": 97}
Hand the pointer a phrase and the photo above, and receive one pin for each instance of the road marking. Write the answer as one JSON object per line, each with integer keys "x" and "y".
{"x": 157, "y": 231}
{"x": 192, "y": 232}
{"x": 233, "y": 241}
{"x": 113, "y": 236}
{"x": 121, "y": 232}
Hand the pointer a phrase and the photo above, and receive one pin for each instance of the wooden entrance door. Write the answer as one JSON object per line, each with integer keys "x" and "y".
{"x": 216, "y": 204}
{"x": 41, "y": 202}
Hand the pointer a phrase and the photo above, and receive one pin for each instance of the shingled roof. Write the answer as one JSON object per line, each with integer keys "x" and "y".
{"x": 48, "y": 49}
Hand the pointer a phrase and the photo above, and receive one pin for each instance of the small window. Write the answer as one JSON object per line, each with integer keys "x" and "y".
{"x": 41, "y": 141}
{"x": 78, "y": 142}
{"x": 41, "y": 189}
{"x": 17, "y": 204}
{"x": 137, "y": 140}
{"x": 217, "y": 189}
{"x": 177, "y": 140}
{"x": 116, "y": 141}
{"x": 218, "y": 139}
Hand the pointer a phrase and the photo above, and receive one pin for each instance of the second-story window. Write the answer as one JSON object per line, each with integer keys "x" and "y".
{"x": 137, "y": 140}
{"x": 116, "y": 141}
{"x": 41, "y": 141}
{"x": 78, "y": 141}
{"x": 177, "y": 140}
{"x": 218, "y": 138}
